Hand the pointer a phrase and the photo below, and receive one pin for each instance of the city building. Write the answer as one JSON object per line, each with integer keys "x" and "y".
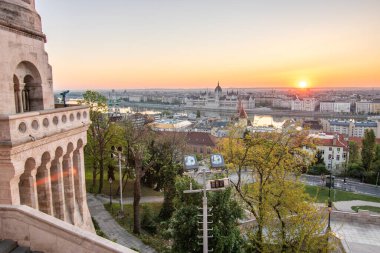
{"x": 326, "y": 106}
{"x": 363, "y": 107}
{"x": 171, "y": 125}
{"x": 219, "y": 99}
{"x": 360, "y": 127}
{"x": 200, "y": 143}
{"x": 42, "y": 178}
{"x": 38, "y": 143}
{"x": 282, "y": 103}
{"x": 352, "y": 128}
{"x": 375, "y": 106}
{"x": 334, "y": 149}
{"x": 368, "y": 106}
{"x": 335, "y": 106}
{"x": 342, "y": 107}
{"x": 305, "y": 104}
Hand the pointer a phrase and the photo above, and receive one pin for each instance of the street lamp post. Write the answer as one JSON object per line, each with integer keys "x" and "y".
{"x": 110, "y": 181}
{"x": 329, "y": 204}
{"x": 330, "y": 184}
{"x": 119, "y": 152}
{"x": 191, "y": 164}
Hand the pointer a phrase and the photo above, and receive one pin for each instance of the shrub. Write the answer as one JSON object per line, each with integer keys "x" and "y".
{"x": 148, "y": 220}
{"x": 318, "y": 169}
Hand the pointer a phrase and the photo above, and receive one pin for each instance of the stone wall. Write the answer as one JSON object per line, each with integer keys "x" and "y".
{"x": 363, "y": 217}
{"x": 44, "y": 233}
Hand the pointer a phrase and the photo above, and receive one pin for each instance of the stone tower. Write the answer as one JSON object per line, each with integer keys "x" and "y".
{"x": 41, "y": 147}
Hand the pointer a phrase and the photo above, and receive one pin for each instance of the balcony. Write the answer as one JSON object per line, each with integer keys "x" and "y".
{"x": 39, "y": 231}
{"x": 20, "y": 128}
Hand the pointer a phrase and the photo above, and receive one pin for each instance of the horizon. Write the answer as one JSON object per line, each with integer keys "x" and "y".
{"x": 224, "y": 88}
{"x": 151, "y": 45}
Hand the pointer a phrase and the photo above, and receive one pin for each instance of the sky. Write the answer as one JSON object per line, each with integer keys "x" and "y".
{"x": 127, "y": 44}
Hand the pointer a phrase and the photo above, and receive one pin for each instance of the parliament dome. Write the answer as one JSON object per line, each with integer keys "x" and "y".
{"x": 218, "y": 89}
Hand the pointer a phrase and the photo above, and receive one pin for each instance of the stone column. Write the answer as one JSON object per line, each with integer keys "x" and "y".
{"x": 9, "y": 188}
{"x": 19, "y": 100}
{"x": 28, "y": 189}
{"x": 45, "y": 200}
{"x": 68, "y": 180}
{"x": 57, "y": 186}
{"x": 79, "y": 181}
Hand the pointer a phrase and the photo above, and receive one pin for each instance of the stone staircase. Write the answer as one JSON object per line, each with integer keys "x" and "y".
{"x": 9, "y": 246}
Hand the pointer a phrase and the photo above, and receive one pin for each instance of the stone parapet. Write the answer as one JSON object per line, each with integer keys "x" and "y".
{"x": 42, "y": 232}
{"x": 21, "y": 128}
{"x": 362, "y": 217}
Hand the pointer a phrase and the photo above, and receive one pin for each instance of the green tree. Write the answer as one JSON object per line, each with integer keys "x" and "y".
{"x": 169, "y": 149}
{"x": 225, "y": 231}
{"x": 185, "y": 227}
{"x": 139, "y": 144}
{"x": 235, "y": 151}
{"x": 368, "y": 150}
{"x": 184, "y": 222}
{"x": 287, "y": 220}
{"x": 319, "y": 158}
{"x": 101, "y": 136}
{"x": 198, "y": 113}
{"x": 376, "y": 162}
{"x": 354, "y": 152}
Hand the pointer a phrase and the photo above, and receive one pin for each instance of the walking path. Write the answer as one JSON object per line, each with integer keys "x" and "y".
{"x": 345, "y": 206}
{"x": 149, "y": 199}
{"x": 111, "y": 228}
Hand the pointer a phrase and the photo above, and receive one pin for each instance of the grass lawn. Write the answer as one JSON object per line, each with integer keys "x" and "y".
{"x": 128, "y": 192}
{"x": 156, "y": 241}
{"x": 322, "y": 194}
{"x": 369, "y": 208}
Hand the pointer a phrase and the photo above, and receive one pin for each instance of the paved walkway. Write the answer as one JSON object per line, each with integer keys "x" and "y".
{"x": 111, "y": 228}
{"x": 150, "y": 199}
{"x": 357, "y": 237}
{"x": 345, "y": 206}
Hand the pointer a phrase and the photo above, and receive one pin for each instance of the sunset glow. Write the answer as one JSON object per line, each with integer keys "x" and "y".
{"x": 192, "y": 44}
{"x": 302, "y": 84}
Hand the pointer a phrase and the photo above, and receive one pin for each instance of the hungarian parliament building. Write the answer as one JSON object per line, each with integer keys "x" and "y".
{"x": 218, "y": 99}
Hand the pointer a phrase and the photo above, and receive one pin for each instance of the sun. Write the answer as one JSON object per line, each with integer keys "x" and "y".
{"x": 302, "y": 84}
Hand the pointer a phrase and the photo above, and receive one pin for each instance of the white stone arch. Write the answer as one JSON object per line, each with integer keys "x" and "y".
{"x": 44, "y": 185}
{"x": 27, "y": 184}
{"x": 57, "y": 184}
{"x": 79, "y": 177}
{"x": 30, "y": 86}
{"x": 68, "y": 181}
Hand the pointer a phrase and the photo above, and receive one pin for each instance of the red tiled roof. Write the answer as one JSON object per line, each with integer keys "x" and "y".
{"x": 337, "y": 141}
{"x": 359, "y": 140}
{"x": 200, "y": 139}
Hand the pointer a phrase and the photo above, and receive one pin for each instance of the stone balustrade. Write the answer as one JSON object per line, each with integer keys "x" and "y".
{"x": 24, "y": 127}
{"x": 363, "y": 217}
{"x": 41, "y": 232}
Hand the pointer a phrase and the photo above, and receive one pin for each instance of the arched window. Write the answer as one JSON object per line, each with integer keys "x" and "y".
{"x": 17, "y": 94}
{"x": 28, "y": 81}
{"x": 29, "y": 92}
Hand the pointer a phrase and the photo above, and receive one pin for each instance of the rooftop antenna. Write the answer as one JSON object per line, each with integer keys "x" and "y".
{"x": 63, "y": 94}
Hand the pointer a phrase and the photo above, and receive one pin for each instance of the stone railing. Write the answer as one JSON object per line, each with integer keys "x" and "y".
{"x": 24, "y": 127}
{"x": 363, "y": 217}
{"x": 42, "y": 232}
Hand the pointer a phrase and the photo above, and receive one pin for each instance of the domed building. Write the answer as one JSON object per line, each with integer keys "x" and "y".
{"x": 218, "y": 90}
{"x": 219, "y": 100}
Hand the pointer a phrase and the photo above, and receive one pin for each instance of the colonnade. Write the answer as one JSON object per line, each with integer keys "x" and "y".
{"x": 57, "y": 185}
